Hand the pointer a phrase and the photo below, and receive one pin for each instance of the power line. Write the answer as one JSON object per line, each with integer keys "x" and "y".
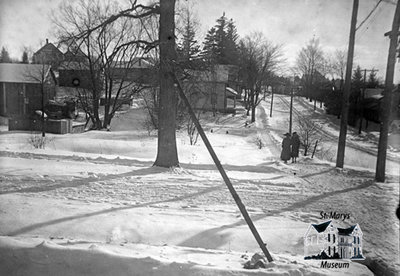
{"x": 377, "y": 4}
{"x": 362, "y": 32}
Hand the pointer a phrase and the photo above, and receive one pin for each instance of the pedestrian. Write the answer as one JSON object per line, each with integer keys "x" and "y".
{"x": 295, "y": 141}
{"x": 286, "y": 152}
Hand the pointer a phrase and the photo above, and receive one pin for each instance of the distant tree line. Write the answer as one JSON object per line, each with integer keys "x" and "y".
{"x": 322, "y": 80}
{"x": 5, "y": 57}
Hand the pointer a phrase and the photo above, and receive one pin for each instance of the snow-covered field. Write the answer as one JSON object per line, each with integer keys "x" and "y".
{"x": 92, "y": 204}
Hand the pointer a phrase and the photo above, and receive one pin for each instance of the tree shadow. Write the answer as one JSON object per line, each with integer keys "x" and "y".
{"x": 317, "y": 173}
{"x": 214, "y": 233}
{"x": 261, "y": 168}
{"x": 113, "y": 209}
{"x": 97, "y": 160}
{"x": 86, "y": 180}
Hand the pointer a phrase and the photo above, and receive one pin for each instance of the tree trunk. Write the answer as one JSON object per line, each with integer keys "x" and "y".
{"x": 253, "y": 113}
{"x": 96, "y": 112}
{"x": 253, "y": 106}
{"x": 106, "y": 113}
{"x": 167, "y": 155}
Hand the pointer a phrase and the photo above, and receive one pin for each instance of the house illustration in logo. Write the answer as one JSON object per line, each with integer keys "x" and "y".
{"x": 326, "y": 241}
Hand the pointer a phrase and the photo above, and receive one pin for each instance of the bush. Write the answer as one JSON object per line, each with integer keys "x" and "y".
{"x": 38, "y": 141}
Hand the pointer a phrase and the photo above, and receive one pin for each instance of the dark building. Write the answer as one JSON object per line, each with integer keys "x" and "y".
{"x": 48, "y": 54}
{"x": 75, "y": 74}
{"x": 138, "y": 70}
{"x": 22, "y": 87}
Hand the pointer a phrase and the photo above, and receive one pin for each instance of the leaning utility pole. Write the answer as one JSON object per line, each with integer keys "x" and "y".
{"x": 347, "y": 86}
{"x": 221, "y": 170}
{"x": 387, "y": 98}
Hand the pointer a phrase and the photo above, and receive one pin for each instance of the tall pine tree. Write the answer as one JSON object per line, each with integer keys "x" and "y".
{"x": 188, "y": 48}
{"x": 373, "y": 81}
{"x": 220, "y": 38}
{"x": 232, "y": 50}
{"x": 4, "y": 56}
{"x": 25, "y": 57}
{"x": 210, "y": 46}
{"x": 220, "y": 44}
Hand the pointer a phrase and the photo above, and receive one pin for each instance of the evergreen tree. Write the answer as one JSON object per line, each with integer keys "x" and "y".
{"x": 210, "y": 45}
{"x": 188, "y": 48}
{"x": 4, "y": 56}
{"x": 25, "y": 57}
{"x": 220, "y": 44}
{"x": 232, "y": 51}
{"x": 373, "y": 81}
{"x": 220, "y": 38}
{"x": 357, "y": 83}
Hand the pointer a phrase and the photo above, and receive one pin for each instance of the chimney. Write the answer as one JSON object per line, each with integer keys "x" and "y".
{"x": 47, "y": 41}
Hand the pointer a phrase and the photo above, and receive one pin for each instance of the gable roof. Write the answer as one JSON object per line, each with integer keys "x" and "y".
{"x": 346, "y": 231}
{"x": 22, "y": 73}
{"x": 321, "y": 227}
{"x": 48, "y": 47}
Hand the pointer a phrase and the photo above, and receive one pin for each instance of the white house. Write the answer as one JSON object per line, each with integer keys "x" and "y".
{"x": 338, "y": 243}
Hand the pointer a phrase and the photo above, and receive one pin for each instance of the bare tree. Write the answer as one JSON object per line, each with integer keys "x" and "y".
{"x": 260, "y": 59}
{"x": 339, "y": 63}
{"x": 309, "y": 60}
{"x": 308, "y": 131}
{"x": 110, "y": 53}
{"x": 41, "y": 74}
{"x": 167, "y": 151}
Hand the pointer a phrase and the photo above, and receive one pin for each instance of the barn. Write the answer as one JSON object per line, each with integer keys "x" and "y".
{"x": 24, "y": 88}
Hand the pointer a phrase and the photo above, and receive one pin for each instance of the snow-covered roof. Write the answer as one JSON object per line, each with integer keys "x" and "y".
{"x": 230, "y": 90}
{"x": 346, "y": 231}
{"x": 23, "y": 73}
{"x": 322, "y": 226}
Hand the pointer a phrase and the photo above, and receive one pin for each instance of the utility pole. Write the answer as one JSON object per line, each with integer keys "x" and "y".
{"x": 387, "y": 98}
{"x": 363, "y": 96}
{"x": 43, "y": 122}
{"x": 272, "y": 101}
{"x": 221, "y": 170}
{"x": 347, "y": 86}
{"x": 291, "y": 112}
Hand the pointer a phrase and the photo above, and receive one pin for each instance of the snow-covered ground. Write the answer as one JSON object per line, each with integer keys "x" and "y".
{"x": 92, "y": 204}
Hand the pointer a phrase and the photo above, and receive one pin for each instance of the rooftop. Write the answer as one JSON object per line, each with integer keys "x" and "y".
{"x": 23, "y": 73}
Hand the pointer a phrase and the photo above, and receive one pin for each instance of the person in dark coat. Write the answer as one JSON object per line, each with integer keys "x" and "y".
{"x": 286, "y": 152}
{"x": 295, "y": 141}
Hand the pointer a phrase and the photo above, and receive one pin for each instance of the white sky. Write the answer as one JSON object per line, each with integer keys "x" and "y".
{"x": 290, "y": 22}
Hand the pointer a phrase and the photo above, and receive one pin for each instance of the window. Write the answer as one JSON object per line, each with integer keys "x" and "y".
{"x": 358, "y": 240}
{"x": 329, "y": 237}
{"x": 329, "y": 250}
{"x": 334, "y": 238}
{"x": 355, "y": 251}
{"x": 355, "y": 241}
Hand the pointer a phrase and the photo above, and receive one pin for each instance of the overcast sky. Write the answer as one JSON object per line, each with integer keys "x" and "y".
{"x": 26, "y": 23}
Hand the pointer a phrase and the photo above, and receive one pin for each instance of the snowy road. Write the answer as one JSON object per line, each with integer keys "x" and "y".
{"x": 359, "y": 151}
